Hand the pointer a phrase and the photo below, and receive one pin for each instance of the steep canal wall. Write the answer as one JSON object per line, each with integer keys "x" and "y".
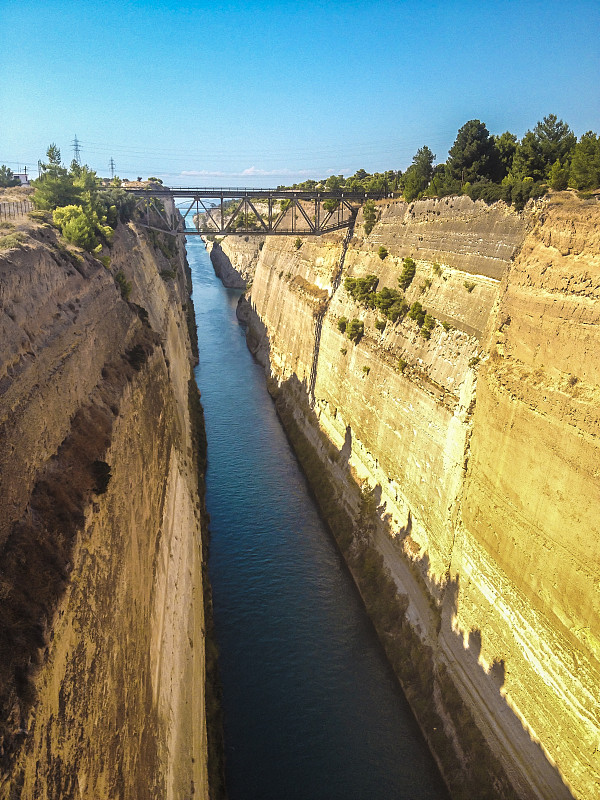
{"x": 102, "y": 628}
{"x": 459, "y": 471}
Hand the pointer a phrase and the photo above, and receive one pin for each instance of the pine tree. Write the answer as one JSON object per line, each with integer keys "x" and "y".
{"x": 585, "y": 164}
{"x": 473, "y": 154}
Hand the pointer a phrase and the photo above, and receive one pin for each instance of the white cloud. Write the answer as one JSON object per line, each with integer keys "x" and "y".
{"x": 203, "y": 173}
{"x": 249, "y": 171}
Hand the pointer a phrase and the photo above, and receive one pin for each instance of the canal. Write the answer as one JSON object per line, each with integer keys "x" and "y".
{"x": 311, "y": 707}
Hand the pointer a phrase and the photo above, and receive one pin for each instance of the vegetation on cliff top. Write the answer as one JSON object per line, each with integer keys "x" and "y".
{"x": 7, "y": 177}
{"x": 86, "y": 216}
{"x": 487, "y": 167}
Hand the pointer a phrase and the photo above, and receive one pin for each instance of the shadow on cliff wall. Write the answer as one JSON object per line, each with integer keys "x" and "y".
{"x": 441, "y": 668}
{"x": 37, "y": 557}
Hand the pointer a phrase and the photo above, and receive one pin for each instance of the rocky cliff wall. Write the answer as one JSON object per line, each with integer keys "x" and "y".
{"x": 235, "y": 265}
{"x": 102, "y": 636}
{"x": 480, "y": 444}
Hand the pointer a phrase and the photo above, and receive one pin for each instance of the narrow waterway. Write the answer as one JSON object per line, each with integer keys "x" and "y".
{"x": 311, "y": 708}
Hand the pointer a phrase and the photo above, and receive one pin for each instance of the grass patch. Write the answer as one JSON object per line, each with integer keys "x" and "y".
{"x": 12, "y": 240}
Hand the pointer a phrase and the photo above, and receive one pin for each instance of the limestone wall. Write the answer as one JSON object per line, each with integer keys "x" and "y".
{"x": 481, "y": 443}
{"x": 102, "y": 668}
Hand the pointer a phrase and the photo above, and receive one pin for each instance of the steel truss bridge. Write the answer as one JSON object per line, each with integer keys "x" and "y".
{"x": 200, "y": 211}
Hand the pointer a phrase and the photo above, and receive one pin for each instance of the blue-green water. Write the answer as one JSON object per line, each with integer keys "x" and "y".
{"x": 311, "y": 708}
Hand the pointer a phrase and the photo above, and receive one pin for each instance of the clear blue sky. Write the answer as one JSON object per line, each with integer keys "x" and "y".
{"x": 261, "y": 93}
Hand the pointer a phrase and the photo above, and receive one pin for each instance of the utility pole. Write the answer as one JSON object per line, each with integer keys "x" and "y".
{"x": 76, "y": 150}
{"x": 112, "y": 167}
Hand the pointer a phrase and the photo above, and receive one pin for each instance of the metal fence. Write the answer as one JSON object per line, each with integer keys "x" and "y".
{"x": 16, "y": 209}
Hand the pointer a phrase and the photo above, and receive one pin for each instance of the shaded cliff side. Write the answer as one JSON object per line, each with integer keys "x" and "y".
{"x": 102, "y": 636}
{"x": 461, "y": 467}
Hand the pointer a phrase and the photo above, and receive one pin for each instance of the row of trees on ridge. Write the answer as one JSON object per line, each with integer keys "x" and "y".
{"x": 489, "y": 167}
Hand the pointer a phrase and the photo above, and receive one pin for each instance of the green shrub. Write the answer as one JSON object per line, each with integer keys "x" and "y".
{"x": 428, "y": 326}
{"x": 382, "y": 252}
{"x": 76, "y": 226}
{"x": 370, "y": 216}
{"x": 330, "y": 204}
{"x": 437, "y": 269}
{"x": 362, "y": 289}
{"x": 343, "y": 350}
{"x": 11, "y": 240}
{"x": 380, "y": 325}
{"x": 366, "y": 370}
{"x": 355, "y": 330}
{"x": 474, "y": 361}
{"x": 298, "y": 243}
{"x": 469, "y": 286}
{"x": 402, "y": 364}
{"x": 446, "y": 326}
{"x": 105, "y": 261}
{"x": 342, "y": 323}
{"x": 417, "y": 312}
{"x": 408, "y": 273}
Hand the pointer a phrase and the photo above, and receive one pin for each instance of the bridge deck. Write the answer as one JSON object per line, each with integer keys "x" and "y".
{"x": 243, "y": 211}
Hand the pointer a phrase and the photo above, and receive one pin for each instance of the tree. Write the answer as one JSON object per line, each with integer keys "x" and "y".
{"x": 55, "y": 186}
{"x": 355, "y": 329}
{"x": 551, "y": 139}
{"x": 585, "y": 164}
{"x": 473, "y": 154}
{"x": 506, "y": 147}
{"x": 418, "y": 175}
{"x": 7, "y": 177}
{"x": 559, "y": 176}
{"x": 370, "y": 216}
{"x": 334, "y": 182}
{"x": 408, "y": 273}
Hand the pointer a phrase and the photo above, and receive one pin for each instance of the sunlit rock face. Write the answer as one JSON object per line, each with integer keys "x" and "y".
{"x": 482, "y": 445}
{"x": 235, "y": 265}
{"x": 102, "y": 664}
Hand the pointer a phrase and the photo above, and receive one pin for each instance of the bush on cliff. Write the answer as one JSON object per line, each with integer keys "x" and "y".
{"x": 81, "y": 228}
{"x": 408, "y": 273}
{"x": 362, "y": 289}
{"x": 370, "y": 216}
{"x": 417, "y": 312}
{"x": 391, "y": 303}
{"x": 355, "y": 330}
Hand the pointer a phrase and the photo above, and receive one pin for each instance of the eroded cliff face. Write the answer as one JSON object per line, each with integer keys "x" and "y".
{"x": 235, "y": 265}
{"x": 481, "y": 445}
{"x": 102, "y": 637}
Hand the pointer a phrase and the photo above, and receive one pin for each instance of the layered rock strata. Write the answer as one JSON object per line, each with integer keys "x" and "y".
{"x": 102, "y": 636}
{"x": 481, "y": 446}
{"x": 235, "y": 265}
